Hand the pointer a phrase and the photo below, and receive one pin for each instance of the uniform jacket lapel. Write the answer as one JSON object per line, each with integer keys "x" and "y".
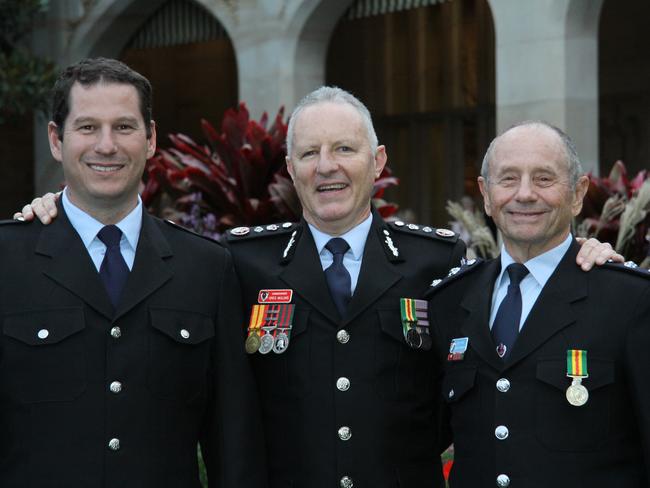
{"x": 553, "y": 310}
{"x": 376, "y": 276}
{"x": 150, "y": 269}
{"x": 66, "y": 261}
{"x": 477, "y": 302}
{"x": 304, "y": 274}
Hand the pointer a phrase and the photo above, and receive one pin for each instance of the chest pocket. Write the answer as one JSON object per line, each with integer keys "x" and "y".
{"x": 43, "y": 355}
{"x": 563, "y": 427}
{"x": 180, "y": 353}
{"x": 461, "y": 394}
{"x": 400, "y": 371}
{"x": 288, "y": 373}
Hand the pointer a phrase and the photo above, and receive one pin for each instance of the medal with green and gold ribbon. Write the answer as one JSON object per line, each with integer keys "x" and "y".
{"x": 414, "y": 323}
{"x": 576, "y": 368}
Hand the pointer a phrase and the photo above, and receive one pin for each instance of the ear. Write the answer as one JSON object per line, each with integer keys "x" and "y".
{"x": 380, "y": 160}
{"x": 482, "y": 185}
{"x": 290, "y": 168}
{"x": 151, "y": 142}
{"x": 55, "y": 143}
{"x": 579, "y": 194}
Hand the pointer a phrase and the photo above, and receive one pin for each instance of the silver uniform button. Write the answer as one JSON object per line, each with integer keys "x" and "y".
{"x": 116, "y": 332}
{"x": 501, "y": 432}
{"x": 503, "y": 385}
{"x": 346, "y": 482}
{"x": 343, "y": 384}
{"x": 451, "y": 393}
{"x": 185, "y": 334}
{"x": 115, "y": 387}
{"x": 114, "y": 444}
{"x": 503, "y": 480}
{"x": 343, "y": 336}
{"x": 43, "y": 333}
{"x": 345, "y": 433}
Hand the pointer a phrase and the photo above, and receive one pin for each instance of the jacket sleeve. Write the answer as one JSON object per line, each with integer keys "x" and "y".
{"x": 232, "y": 441}
{"x": 638, "y": 368}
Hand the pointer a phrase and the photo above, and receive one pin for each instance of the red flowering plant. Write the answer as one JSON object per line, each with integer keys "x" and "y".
{"x": 615, "y": 210}
{"x": 238, "y": 176}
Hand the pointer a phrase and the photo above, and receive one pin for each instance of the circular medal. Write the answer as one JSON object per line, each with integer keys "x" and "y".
{"x": 281, "y": 343}
{"x": 252, "y": 343}
{"x": 414, "y": 339}
{"x": 266, "y": 344}
{"x": 577, "y": 395}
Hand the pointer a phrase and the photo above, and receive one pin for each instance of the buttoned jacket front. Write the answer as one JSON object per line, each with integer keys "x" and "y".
{"x": 349, "y": 401}
{"x": 91, "y": 397}
{"x": 511, "y": 422}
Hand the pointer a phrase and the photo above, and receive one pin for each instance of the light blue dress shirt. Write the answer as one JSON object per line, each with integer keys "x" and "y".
{"x": 356, "y": 239}
{"x": 87, "y": 227}
{"x": 540, "y": 270}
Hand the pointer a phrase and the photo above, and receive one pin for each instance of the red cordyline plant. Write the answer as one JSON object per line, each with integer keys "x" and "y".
{"x": 237, "y": 177}
{"x": 615, "y": 210}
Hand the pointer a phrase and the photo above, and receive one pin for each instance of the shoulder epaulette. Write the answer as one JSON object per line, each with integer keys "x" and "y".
{"x": 13, "y": 221}
{"x": 176, "y": 226}
{"x": 628, "y": 266}
{"x": 466, "y": 267}
{"x": 245, "y": 233}
{"x": 444, "y": 235}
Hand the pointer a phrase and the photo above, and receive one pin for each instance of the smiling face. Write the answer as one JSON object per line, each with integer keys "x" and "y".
{"x": 104, "y": 149}
{"x": 528, "y": 192}
{"x": 333, "y": 167}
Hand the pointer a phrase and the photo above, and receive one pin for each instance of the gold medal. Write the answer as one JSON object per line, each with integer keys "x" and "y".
{"x": 252, "y": 343}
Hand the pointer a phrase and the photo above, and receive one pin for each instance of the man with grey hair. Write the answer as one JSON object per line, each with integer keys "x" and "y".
{"x": 339, "y": 341}
{"x": 353, "y": 399}
{"x": 545, "y": 366}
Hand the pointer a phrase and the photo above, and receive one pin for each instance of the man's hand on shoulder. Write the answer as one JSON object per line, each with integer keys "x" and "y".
{"x": 592, "y": 251}
{"x": 42, "y": 207}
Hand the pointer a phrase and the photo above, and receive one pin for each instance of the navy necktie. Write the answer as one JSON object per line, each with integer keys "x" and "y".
{"x": 113, "y": 271}
{"x": 505, "y": 328}
{"x": 338, "y": 278}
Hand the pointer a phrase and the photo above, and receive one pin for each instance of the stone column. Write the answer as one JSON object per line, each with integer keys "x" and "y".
{"x": 547, "y": 67}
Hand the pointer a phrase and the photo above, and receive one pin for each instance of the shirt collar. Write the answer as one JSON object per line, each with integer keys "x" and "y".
{"x": 87, "y": 226}
{"x": 355, "y": 237}
{"x": 540, "y": 267}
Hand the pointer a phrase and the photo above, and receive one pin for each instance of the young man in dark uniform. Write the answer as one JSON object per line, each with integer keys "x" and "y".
{"x": 121, "y": 333}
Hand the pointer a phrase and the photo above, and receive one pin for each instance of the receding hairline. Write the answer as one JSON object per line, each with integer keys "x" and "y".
{"x": 322, "y": 103}
{"x": 566, "y": 147}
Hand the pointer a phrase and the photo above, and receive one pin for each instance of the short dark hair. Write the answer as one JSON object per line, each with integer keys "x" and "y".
{"x": 91, "y": 71}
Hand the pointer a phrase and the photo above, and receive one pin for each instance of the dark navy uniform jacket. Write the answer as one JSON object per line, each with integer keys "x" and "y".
{"x": 511, "y": 422}
{"x": 96, "y": 398}
{"x": 349, "y": 403}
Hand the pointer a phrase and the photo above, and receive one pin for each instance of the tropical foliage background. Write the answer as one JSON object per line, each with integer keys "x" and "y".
{"x": 236, "y": 176}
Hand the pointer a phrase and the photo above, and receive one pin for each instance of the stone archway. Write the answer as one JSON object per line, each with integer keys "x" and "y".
{"x": 317, "y": 19}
